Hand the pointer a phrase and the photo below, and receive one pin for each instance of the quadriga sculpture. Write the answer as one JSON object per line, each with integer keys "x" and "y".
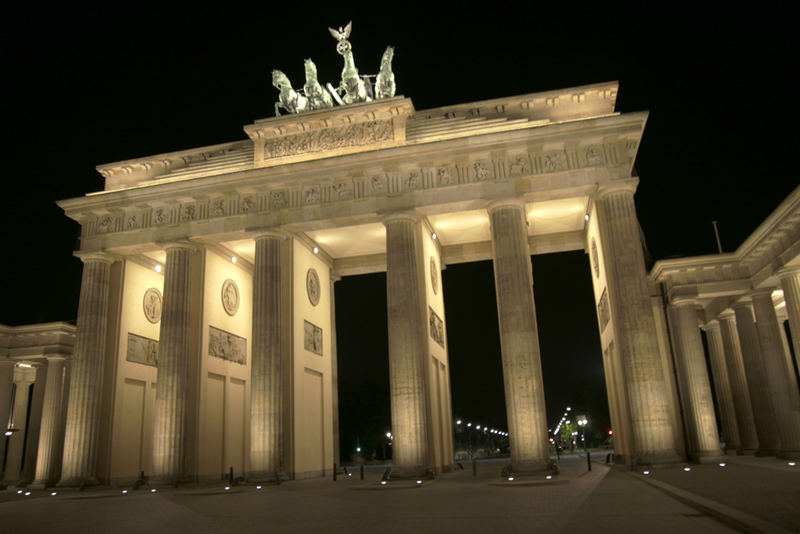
{"x": 289, "y": 99}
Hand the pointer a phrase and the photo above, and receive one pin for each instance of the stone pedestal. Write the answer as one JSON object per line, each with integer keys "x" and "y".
{"x": 722, "y": 386}
{"x": 173, "y": 359}
{"x": 23, "y": 379}
{"x": 760, "y": 396}
{"x": 266, "y": 389}
{"x": 51, "y": 438}
{"x": 86, "y": 378}
{"x": 743, "y": 408}
{"x": 634, "y": 327}
{"x": 519, "y": 339}
{"x": 785, "y": 399}
{"x": 407, "y": 344}
{"x": 695, "y": 389}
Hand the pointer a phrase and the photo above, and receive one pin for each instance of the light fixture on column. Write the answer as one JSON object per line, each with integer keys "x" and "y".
{"x": 586, "y": 217}
{"x": 233, "y": 259}
{"x": 316, "y": 250}
{"x": 157, "y": 268}
{"x": 433, "y": 235}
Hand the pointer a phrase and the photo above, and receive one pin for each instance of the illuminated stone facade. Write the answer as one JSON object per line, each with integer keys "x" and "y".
{"x": 206, "y": 326}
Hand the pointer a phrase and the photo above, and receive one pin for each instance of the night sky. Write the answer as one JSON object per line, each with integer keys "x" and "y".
{"x": 82, "y": 87}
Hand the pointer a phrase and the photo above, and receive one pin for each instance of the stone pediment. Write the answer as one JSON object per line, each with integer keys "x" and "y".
{"x": 330, "y": 132}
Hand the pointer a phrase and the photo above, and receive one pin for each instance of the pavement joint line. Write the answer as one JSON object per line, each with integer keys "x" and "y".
{"x": 730, "y": 516}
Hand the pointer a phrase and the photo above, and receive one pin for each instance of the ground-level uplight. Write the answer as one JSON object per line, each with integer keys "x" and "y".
{"x": 511, "y": 479}
{"x": 687, "y": 469}
{"x": 722, "y": 464}
{"x": 27, "y": 493}
{"x": 383, "y": 482}
{"x": 153, "y": 490}
{"x": 124, "y": 492}
{"x": 419, "y": 482}
{"x": 549, "y": 477}
{"x": 227, "y": 488}
{"x": 258, "y": 487}
{"x": 792, "y": 464}
{"x": 646, "y": 472}
{"x": 53, "y": 494}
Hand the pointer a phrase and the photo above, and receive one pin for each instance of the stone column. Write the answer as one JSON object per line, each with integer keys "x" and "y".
{"x": 408, "y": 350}
{"x": 519, "y": 339}
{"x": 760, "y": 397}
{"x": 790, "y": 282}
{"x": 23, "y": 378}
{"x": 6, "y": 387}
{"x": 634, "y": 326}
{"x": 266, "y": 383}
{"x": 334, "y": 372}
{"x": 173, "y": 361}
{"x": 748, "y": 437}
{"x": 722, "y": 386}
{"x": 86, "y": 378}
{"x": 695, "y": 388}
{"x": 785, "y": 399}
{"x": 50, "y": 435}
{"x": 787, "y": 350}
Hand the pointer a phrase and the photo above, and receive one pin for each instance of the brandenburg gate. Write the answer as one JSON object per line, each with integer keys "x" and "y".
{"x": 206, "y": 325}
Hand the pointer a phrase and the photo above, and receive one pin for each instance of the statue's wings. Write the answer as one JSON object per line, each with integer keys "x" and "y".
{"x": 347, "y": 29}
{"x": 336, "y": 34}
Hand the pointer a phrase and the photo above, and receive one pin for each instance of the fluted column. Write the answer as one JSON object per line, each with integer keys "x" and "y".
{"x": 172, "y": 369}
{"x": 266, "y": 385}
{"x": 408, "y": 353}
{"x": 519, "y": 339}
{"x": 722, "y": 386}
{"x": 634, "y": 326}
{"x": 23, "y": 378}
{"x": 6, "y": 388}
{"x": 334, "y": 372}
{"x": 760, "y": 397}
{"x": 743, "y": 408}
{"x": 86, "y": 378}
{"x": 695, "y": 388}
{"x": 785, "y": 399}
{"x": 790, "y": 283}
{"x": 50, "y": 435}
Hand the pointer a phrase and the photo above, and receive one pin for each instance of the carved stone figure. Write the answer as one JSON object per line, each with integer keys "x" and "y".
{"x": 289, "y": 99}
{"x": 318, "y": 98}
{"x": 151, "y": 304}
{"x": 384, "y": 84}
{"x": 230, "y": 297}
{"x": 312, "y": 286}
{"x": 352, "y": 85}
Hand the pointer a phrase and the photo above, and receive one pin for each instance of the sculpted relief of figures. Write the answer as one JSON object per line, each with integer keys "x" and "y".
{"x": 151, "y": 304}
{"x": 142, "y": 350}
{"x": 227, "y": 346}
{"x": 437, "y": 327}
{"x": 330, "y": 139}
{"x": 312, "y": 338}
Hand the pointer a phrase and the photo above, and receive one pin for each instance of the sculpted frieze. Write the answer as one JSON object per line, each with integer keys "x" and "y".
{"x": 365, "y": 133}
{"x": 411, "y": 181}
{"x": 481, "y": 171}
{"x": 555, "y": 160}
{"x": 312, "y": 194}
{"x": 188, "y": 213}
{"x": 105, "y": 224}
{"x": 520, "y": 164}
{"x": 218, "y": 207}
{"x": 342, "y": 190}
{"x": 593, "y": 155}
{"x": 377, "y": 184}
{"x": 446, "y": 176}
{"x": 278, "y": 199}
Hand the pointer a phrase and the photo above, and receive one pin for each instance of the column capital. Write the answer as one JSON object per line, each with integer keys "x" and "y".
{"x": 271, "y": 233}
{"x": 681, "y": 301}
{"x": 761, "y": 293}
{"x": 743, "y": 303}
{"x": 179, "y": 245}
{"x": 102, "y": 257}
{"x": 400, "y": 216}
{"x": 628, "y": 186}
{"x": 55, "y": 357}
{"x": 713, "y": 324}
{"x": 786, "y": 272}
{"x": 506, "y": 203}
{"x": 727, "y": 315}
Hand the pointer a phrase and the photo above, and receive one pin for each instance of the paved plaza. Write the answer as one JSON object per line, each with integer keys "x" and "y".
{"x": 748, "y": 494}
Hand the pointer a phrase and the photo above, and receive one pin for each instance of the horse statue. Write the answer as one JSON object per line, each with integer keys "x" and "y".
{"x": 384, "y": 84}
{"x": 318, "y": 98}
{"x": 289, "y": 99}
{"x": 352, "y": 85}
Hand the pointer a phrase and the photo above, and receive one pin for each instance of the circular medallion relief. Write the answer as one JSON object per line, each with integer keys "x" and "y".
{"x": 230, "y": 297}
{"x": 595, "y": 259}
{"x": 151, "y": 304}
{"x": 312, "y": 286}
{"x": 434, "y": 276}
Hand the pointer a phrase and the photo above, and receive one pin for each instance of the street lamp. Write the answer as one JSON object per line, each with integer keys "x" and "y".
{"x": 582, "y": 422}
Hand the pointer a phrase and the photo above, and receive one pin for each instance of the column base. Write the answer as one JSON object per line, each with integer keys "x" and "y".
{"x": 709, "y": 459}
{"x": 760, "y": 453}
{"x": 530, "y": 468}
{"x": 788, "y": 455}
{"x": 78, "y": 482}
{"x": 409, "y": 473}
{"x": 656, "y": 458}
{"x": 40, "y": 485}
{"x": 267, "y": 477}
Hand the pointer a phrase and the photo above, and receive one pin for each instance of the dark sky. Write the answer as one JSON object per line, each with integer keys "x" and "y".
{"x": 88, "y": 85}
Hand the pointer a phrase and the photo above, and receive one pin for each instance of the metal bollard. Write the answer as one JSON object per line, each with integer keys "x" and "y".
{"x": 334, "y": 472}
{"x": 589, "y": 460}
{"x": 474, "y": 467}
{"x": 362, "y": 471}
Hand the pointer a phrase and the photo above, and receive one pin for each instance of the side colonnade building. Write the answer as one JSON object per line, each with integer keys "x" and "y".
{"x": 206, "y": 328}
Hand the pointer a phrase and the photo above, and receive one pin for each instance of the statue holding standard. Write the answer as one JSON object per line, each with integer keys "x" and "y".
{"x": 352, "y": 89}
